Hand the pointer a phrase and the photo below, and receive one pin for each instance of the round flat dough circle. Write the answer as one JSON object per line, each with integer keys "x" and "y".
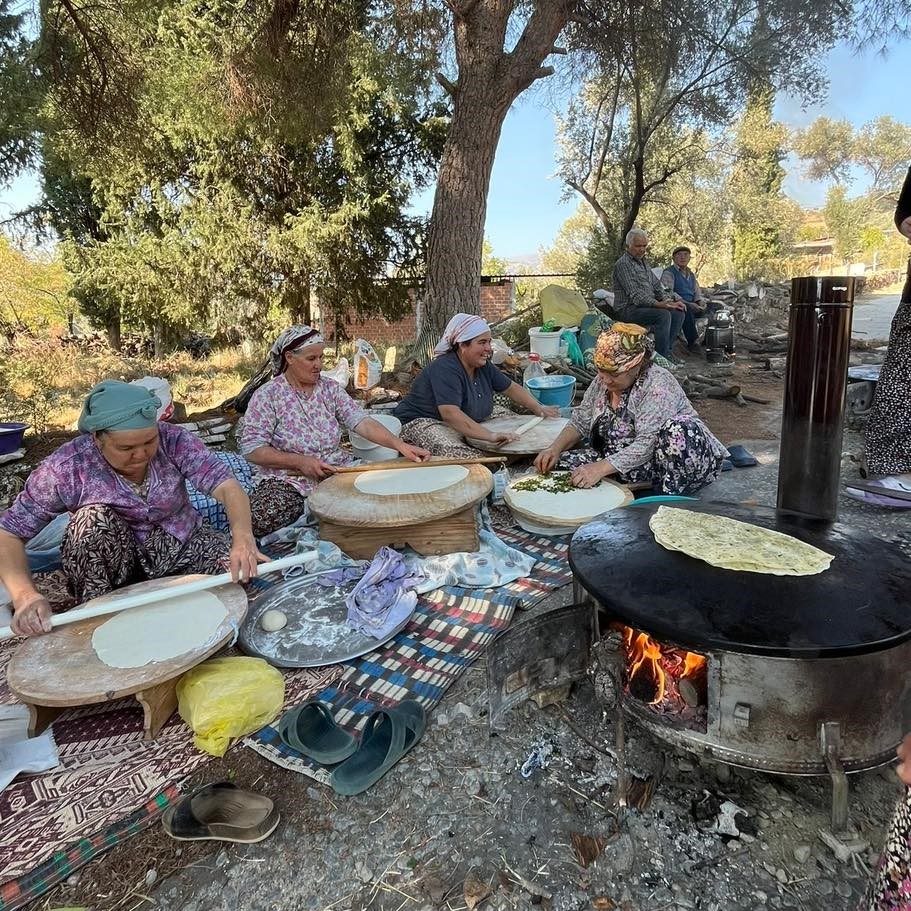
{"x": 161, "y": 631}
{"x": 273, "y": 620}
{"x": 399, "y": 482}
{"x": 569, "y": 506}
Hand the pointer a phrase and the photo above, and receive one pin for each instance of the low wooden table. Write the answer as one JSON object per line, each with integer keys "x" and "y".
{"x": 61, "y": 670}
{"x": 441, "y": 522}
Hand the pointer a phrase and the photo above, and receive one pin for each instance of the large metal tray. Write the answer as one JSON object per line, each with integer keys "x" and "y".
{"x": 316, "y": 632}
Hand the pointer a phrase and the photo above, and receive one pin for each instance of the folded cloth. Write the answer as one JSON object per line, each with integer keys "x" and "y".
{"x": 382, "y": 600}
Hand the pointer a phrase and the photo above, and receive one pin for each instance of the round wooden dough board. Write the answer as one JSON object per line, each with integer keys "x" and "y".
{"x": 338, "y": 500}
{"x": 530, "y": 443}
{"x": 62, "y": 668}
{"x": 587, "y": 503}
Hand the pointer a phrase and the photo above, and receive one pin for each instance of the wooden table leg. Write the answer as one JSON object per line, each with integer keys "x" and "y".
{"x": 158, "y": 704}
{"x": 40, "y": 717}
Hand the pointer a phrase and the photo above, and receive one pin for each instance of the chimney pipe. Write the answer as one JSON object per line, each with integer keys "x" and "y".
{"x": 812, "y": 421}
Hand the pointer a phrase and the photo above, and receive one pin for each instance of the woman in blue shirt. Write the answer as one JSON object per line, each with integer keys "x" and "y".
{"x": 454, "y": 393}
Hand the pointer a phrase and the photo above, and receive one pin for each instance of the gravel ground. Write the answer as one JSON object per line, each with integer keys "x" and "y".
{"x": 457, "y": 820}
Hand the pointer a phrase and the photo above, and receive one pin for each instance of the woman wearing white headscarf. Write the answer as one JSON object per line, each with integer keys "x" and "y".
{"x": 293, "y": 430}
{"x": 454, "y": 393}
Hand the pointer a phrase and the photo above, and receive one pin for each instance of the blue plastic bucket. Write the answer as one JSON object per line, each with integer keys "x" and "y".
{"x": 11, "y": 437}
{"x": 553, "y": 390}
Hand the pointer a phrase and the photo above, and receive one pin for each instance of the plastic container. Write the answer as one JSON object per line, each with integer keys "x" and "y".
{"x": 547, "y": 344}
{"x": 533, "y": 369}
{"x": 373, "y": 452}
{"x": 11, "y": 437}
{"x": 553, "y": 390}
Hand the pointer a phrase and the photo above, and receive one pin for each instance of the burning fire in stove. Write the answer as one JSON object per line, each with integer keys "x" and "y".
{"x": 671, "y": 680}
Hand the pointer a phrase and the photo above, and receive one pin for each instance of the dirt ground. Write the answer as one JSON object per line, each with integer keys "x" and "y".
{"x": 457, "y": 826}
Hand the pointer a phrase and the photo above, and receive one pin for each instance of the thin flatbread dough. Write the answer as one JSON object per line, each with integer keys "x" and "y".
{"x": 159, "y": 632}
{"x": 399, "y": 482}
{"x": 740, "y": 546}
{"x": 572, "y": 507}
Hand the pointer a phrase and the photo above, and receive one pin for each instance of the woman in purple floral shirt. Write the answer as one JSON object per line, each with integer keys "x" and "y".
{"x": 293, "y": 430}
{"x": 124, "y": 481}
{"x": 639, "y": 424}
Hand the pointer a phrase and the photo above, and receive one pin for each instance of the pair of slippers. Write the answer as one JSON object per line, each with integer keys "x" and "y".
{"x": 740, "y": 457}
{"x": 390, "y": 733}
{"x": 221, "y": 812}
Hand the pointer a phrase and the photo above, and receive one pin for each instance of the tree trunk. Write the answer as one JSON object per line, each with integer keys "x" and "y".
{"x": 296, "y": 298}
{"x": 456, "y": 236}
{"x": 112, "y": 329}
{"x": 489, "y": 80}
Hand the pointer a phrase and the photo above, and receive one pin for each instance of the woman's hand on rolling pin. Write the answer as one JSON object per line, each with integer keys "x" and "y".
{"x": 314, "y": 468}
{"x": 31, "y": 615}
{"x": 244, "y": 557}
{"x": 500, "y": 439}
{"x": 549, "y": 411}
{"x": 415, "y": 453}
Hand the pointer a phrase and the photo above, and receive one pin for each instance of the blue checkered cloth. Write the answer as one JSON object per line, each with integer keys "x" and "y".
{"x": 210, "y": 509}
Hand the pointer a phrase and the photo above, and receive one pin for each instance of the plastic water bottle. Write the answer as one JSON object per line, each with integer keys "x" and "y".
{"x": 533, "y": 369}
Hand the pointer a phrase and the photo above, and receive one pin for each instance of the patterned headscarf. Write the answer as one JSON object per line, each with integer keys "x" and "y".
{"x": 463, "y": 327}
{"x": 622, "y": 347}
{"x": 290, "y": 340}
{"x": 114, "y": 405}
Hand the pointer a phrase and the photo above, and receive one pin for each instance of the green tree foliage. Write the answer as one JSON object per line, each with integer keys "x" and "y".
{"x": 33, "y": 292}
{"x": 668, "y": 80}
{"x": 18, "y": 91}
{"x": 759, "y": 208}
{"x": 212, "y": 166}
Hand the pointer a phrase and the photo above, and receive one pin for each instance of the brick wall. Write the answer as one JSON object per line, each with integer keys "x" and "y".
{"x": 497, "y": 300}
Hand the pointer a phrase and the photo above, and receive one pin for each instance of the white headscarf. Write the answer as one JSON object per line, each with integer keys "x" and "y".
{"x": 290, "y": 340}
{"x": 463, "y": 327}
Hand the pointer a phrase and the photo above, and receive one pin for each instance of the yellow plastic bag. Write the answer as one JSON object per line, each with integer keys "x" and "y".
{"x": 225, "y": 698}
{"x": 561, "y": 306}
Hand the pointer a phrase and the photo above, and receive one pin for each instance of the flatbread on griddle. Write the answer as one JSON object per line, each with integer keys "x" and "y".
{"x": 730, "y": 544}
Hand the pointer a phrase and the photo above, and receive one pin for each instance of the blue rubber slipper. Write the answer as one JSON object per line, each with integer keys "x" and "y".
{"x": 742, "y": 457}
{"x": 310, "y": 729}
{"x": 389, "y": 735}
{"x": 727, "y": 465}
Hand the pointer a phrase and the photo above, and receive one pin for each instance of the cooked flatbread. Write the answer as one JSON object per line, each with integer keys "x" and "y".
{"x": 729, "y": 544}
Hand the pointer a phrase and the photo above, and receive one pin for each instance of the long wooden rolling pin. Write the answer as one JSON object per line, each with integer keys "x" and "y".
{"x": 115, "y": 605}
{"x": 431, "y": 463}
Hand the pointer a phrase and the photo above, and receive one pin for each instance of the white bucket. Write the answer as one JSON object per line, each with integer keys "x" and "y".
{"x": 547, "y": 344}
{"x": 373, "y": 452}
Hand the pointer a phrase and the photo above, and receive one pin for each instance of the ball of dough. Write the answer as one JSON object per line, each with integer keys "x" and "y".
{"x": 273, "y": 620}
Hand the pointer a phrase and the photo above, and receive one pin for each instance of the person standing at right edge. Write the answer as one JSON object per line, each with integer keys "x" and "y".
{"x": 888, "y": 438}
{"x": 888, "y": 451}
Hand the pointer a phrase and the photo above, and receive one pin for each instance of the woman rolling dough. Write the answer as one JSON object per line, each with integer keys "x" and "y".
{"x": 293, "y": 430}
{"x": 454, "y": 393}
{"x": 638, "y": 422}
{"x": 124, "y": 481}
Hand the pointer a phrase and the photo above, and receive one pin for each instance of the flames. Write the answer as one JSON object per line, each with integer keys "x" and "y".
{"x": 653, "y": 668}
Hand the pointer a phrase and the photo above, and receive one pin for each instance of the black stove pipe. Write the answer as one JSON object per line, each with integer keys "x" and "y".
{"x": 812, "y": 421}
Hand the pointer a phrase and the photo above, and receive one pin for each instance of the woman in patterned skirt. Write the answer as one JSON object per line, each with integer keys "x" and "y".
{"x": 124, "y": 481}
{"x": 292, "y": 430}
{"x": 888, "y": 435}
{"x": 638, "y": 423}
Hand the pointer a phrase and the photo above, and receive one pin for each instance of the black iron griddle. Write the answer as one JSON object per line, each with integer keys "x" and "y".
{"x": 862, "y": 603}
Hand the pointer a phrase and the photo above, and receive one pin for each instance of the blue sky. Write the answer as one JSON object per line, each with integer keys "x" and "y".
{"x": 524, "y": 211}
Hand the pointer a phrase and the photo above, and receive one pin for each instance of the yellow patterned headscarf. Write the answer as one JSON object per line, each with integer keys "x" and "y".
{"x": 622, "y": 347}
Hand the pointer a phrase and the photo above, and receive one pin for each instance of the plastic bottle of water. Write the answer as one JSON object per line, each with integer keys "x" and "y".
{"x": 534, "y": 368}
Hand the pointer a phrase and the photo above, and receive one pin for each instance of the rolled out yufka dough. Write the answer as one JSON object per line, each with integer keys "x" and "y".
{"x": 161, "y": 631}
{"x": 403, "y": 481}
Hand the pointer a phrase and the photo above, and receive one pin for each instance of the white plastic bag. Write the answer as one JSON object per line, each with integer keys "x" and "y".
{"x": 341, "y": 373}
{"x": 367, "y": 366}
{"x": 157, "y": 386}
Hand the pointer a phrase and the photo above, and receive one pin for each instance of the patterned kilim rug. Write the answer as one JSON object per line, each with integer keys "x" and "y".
{"x": 110, "y": 783}
{"x": 449, "y": 630}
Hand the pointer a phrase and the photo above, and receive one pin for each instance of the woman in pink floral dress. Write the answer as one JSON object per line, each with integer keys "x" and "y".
{"x": 293, "y": 430}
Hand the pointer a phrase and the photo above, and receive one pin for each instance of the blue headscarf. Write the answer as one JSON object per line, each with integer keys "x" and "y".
{"x": 113, "y": 405}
